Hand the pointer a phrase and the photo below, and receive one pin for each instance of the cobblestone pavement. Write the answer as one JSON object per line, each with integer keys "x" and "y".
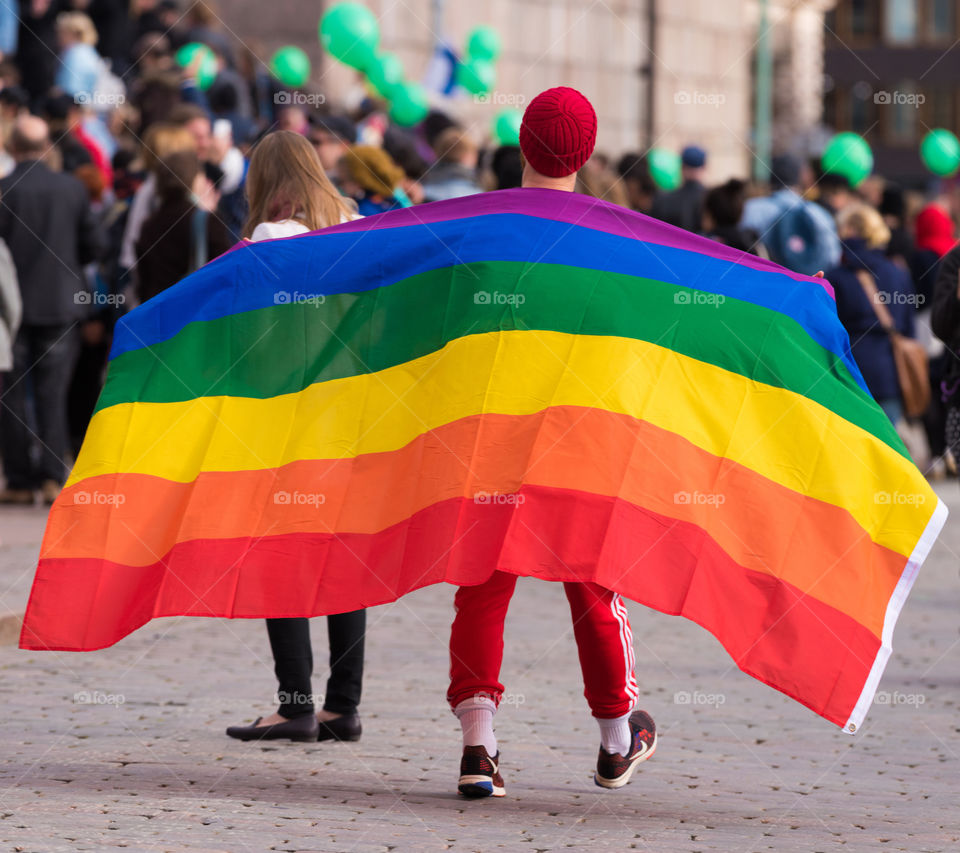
{"x": 125, "y": 747}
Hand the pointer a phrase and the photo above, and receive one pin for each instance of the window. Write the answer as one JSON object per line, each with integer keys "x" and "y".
{"x": 940, "y": 108}
{"x": 902, "y": 115}
{"x": 831, "y": 117}
{"x": 863, "y": 18}
{"x": 900, "y": 21}
{"x": 861, "y": 116}
{"x": 940, "y": 20}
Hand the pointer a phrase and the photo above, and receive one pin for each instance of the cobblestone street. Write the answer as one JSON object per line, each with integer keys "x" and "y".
{"x": 126, "y": 747}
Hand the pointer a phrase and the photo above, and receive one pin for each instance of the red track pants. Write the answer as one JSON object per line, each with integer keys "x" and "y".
{"x": 600, "y": 625}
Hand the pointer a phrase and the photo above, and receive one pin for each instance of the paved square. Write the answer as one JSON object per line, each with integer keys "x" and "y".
{"x": 125, "y": 747}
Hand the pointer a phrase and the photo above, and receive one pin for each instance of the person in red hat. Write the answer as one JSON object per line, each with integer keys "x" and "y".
{"x": 557, "y": 136}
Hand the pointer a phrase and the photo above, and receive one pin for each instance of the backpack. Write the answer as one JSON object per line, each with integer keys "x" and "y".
{"x": 793, "y": 240}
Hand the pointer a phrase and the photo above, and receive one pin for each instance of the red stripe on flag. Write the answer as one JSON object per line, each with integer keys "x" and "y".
{"x": 795, "y": 643}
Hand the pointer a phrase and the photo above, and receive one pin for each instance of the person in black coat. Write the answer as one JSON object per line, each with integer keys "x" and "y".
{"x": 111, "y": 18}
{"x": 684, "y": 206}
{"x": 46, "y": 221}
{"x": 181, "y": 235}
{"x": 864, "y": 238}
{"x": 945, "y": 322}
{"x": 722, "y": 211}
{"x": 37, "y": 50}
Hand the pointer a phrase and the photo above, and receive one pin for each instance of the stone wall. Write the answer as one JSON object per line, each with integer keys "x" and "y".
{"x": 702, "y": 61}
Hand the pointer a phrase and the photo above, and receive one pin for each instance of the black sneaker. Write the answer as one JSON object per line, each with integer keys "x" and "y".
{"x": 480, "y": 774}
{"x": 614, "y": 771}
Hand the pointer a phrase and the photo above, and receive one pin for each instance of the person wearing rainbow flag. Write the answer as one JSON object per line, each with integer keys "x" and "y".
{"x": 557, "y": 137}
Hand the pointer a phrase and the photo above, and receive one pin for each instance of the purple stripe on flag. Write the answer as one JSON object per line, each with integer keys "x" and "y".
{"x": 573, "y": 208}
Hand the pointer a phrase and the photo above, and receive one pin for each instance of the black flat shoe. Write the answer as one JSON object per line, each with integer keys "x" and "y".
{"x": 346, "y": 728}
{"x": 299, "y": 729}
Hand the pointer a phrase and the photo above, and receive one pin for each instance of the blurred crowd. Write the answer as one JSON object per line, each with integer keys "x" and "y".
{"x": 890, "y": 255}
{"x": 120, "y": 174}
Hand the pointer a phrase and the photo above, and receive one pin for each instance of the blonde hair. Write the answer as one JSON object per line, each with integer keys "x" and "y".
{"x": 602, "y": 184}
{"x": 861, "y": 220}
{"x": 163, "y": 139}
{"x": 287, "y": 181}
{"x": 78, "y": 25}
{"x": 373, "y": 169}
{"x": 453, "y": 145}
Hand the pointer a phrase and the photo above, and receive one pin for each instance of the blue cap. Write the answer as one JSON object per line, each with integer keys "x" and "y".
{"x": 694, "y": 157}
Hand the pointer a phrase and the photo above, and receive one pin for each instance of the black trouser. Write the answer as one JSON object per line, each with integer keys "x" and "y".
{"x": 43, "y": 361}
{"x": 85, "y": 387}
{"x": 935, "y": 418}
{"x": 293, "y": 663}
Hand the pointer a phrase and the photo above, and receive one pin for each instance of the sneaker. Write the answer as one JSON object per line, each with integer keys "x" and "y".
{"x": 614, "y": 771}
{"x": 480, "y": 774}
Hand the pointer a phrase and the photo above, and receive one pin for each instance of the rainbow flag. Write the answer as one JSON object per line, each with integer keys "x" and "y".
{"x": 529, "y": 380}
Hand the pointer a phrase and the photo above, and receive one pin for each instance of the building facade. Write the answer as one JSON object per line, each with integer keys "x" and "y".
{"x": 659, "y": 73}
{"x": 891, "y": 69}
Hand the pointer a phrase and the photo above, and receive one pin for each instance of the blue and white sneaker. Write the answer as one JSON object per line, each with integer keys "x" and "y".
{"x": 480, "y": 774}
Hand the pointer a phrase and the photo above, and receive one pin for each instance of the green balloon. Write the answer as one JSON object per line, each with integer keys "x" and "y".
{"x": 349, "y": 32}
{"x": 848, "y": 155}
{"x": 409, "y": 104}
{"x": 207, "y": 70}
{"x": 506, "y": 127}
{"x": 940, "y": 152}
{"x": 291, "y": 66}
{"x": 385, "y": 73}
{"x": 483, "y": 43}
{"x": 477, "y": 76}
{"x": 664, "y": 168}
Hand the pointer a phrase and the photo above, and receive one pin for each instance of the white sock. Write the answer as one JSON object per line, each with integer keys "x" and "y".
{"x": 476, "y": 719}
{"x": 615, "y": 734}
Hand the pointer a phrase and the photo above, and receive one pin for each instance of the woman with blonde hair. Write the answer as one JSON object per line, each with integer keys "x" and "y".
{"x": 866, "y": 282}
{"x": 289, "y": 194}
{"x": 80, "y": 64}
{"x": 863, "y": 222}
{"x": 288, "y": 191}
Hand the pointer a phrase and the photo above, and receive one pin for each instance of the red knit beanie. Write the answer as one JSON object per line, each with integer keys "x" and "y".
{"x": 558, "y": 132}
